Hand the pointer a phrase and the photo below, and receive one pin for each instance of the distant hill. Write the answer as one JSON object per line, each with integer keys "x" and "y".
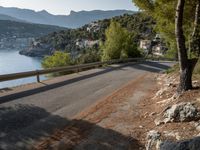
{"x": 71, "y": 40}
{"x": 6, "y": 17}
{"x": 73, "y": 20}
{"x": 78, "y": 19}
{"x": 9, "y": 28}
{"x": 18, "y": 35}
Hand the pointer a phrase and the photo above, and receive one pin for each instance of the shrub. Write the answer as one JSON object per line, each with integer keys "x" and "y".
{"x": 58, "y": 59}
{"x": 89, "y": 57}
{"x": 119, "y": 43}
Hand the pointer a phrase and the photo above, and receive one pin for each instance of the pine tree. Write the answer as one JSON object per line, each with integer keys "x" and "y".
{"x": 177, "y": 31}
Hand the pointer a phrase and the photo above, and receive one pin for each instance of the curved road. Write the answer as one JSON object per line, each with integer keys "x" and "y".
{"x": 30, "y": 112}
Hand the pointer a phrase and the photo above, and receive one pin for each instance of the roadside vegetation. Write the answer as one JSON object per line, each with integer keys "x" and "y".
{"x": 118, "y": 44}
{"x": 117, "y": 37}
{"x": 58, "y": 59}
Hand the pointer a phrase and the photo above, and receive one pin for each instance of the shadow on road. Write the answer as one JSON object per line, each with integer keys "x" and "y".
{"x": 145, "y": 66}
{"x": 151, "y": 66}
{"x": 22, "y": 125}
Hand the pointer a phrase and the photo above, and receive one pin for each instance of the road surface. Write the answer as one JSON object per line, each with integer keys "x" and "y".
{"x": 30, "y": 112}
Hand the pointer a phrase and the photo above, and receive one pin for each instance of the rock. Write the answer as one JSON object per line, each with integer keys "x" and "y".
{"x": 158, "y": 121}
{"x": 161, "y": 92}
{"x": 195, "y": 83}
{"x": 197, "y": 125}
{"x": 171, "y": 84}
{"x": 38, "y": 51}
{"x": 152, "y": 114}
{"x": 180, "y": 113}
{"x": 198, "y": 135}
{"x": 172, "y": 134}
{"x": 168, "y": 100}
{"x": 192, "y": 144}
{"x": 198, "y": 100}
{"x": 153, "y": 140}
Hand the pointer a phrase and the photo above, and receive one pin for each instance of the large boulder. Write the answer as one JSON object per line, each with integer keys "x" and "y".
{"x": 180, "y": 113}
{"x": 192, "y": 144}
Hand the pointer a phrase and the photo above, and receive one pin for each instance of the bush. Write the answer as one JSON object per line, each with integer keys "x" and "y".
{"x": 89, "y": 57}
{"x": 119, "y": 43}
{"x": 58, "y": 59}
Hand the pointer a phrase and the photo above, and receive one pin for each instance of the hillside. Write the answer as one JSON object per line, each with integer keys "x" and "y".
{"x": 6, "y": 17}
{"x": 75, "y": 41}
{"x": 73, "y": 20}
{"x": 17, "y": 35}
{"x": 10, "y": 28}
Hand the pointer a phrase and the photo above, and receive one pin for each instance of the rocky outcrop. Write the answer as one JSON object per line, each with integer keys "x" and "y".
{"x": 192, "y": 144}
{"x": 41, "y": 50}
{"x": 180, "y": 113}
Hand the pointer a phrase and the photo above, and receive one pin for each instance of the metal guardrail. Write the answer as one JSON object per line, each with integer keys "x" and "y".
{"x": 37, "y": 73}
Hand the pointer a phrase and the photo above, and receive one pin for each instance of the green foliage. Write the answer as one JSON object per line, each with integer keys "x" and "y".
{"x": 112, "y": 48}
{"x": 140, "y": 25}
{"x": 130, "y": 47}
{"x": 197, "y": 68}
{"x": 164, "y": 13}
{"x": 25, "y": 30}
{"x": 171, "y": 54}
{"x": 119, "y": 43}
{"x": 173, "y": 69}
{"x": 90, "y": 56}
{"x": 58, "y": 59}
{"x": 176, "y": 68}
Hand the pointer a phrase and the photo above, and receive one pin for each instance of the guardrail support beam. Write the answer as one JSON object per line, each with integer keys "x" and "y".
{"x": 38, "y": 78}
{"x": 77, "y": 68}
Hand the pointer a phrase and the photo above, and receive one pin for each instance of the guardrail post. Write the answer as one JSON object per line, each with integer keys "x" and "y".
{"x": 38, "y": 76}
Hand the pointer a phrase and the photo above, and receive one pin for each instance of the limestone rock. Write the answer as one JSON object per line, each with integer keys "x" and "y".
{"x": 197, "y": 125}
{"x": 158, "y": 121}
{"x": 180, "y": 113}
{"x": 192, "y": 144}
{"x": 172, "y": 134}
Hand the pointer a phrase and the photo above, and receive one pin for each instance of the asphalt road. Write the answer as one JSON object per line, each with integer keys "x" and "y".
{"x": 31, "y": 112}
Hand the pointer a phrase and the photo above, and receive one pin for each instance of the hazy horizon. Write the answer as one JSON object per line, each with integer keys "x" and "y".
{"x": 63, "y": 7}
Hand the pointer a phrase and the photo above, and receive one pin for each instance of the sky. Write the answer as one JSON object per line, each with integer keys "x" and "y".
{"x": 65, "y": 6}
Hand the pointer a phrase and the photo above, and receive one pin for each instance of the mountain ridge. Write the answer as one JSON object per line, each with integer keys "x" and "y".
{"x": 73, "y": 20}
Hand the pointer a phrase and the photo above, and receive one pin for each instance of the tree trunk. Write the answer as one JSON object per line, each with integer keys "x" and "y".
{"x": 186, "y": 76}
{"x": 186, "y": 66}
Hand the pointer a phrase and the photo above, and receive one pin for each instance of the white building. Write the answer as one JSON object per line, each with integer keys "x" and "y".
{"x": 86, "y": 43}
{"x": 145, "y": 44}
{"x": 159, "y": 49}
{"x": 93, "y": 27}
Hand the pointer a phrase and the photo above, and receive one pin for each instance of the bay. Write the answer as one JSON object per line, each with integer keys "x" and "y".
{"x": 12, "y": 62}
